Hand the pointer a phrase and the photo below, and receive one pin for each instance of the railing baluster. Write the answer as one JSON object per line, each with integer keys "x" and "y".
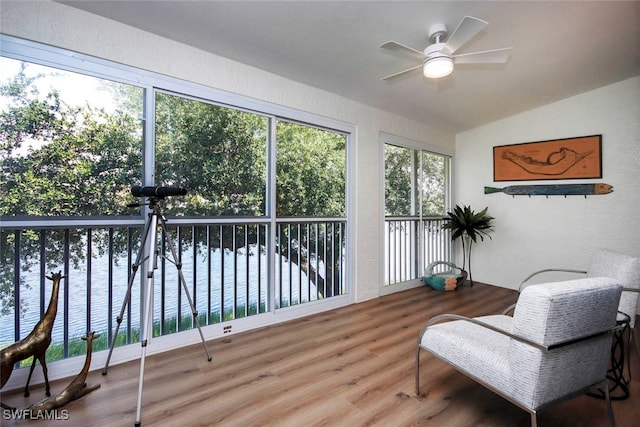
{"x": 162, "y": 248}
{"x": 311, "y": 253}
{"x": 130, "y": 262}
{"x": 16, "y": 286}
{"x": 222, "y": 271}
{"x": 194, "y": 278}
{"x": 235, "y": 271}
{"x": 317, "y": 254}
{"x": 66, "y": 292}
{"x": 43, "y": 270}
{"x": 290, "y": 264}
{"x": 259, "y": 272}
{"x": 89, "y": 272}
{"x": 110, "y": 286}
{"x": 209, "y": 317}
{"x": 247, "y": 281}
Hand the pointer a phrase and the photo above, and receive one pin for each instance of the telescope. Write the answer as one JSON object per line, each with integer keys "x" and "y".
{"x": 161, "y": 192}
{"x": 149, "y": 250}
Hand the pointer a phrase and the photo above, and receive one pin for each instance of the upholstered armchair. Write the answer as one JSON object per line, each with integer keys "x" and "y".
{"x": 607, "y": 263}
{"x": 556, "y": 345}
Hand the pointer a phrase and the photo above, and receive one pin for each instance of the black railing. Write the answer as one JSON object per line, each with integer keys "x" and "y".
{"x": 227, "y": 266}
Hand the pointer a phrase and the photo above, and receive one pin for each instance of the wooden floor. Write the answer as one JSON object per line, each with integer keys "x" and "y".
{"x": 349, "y": 367}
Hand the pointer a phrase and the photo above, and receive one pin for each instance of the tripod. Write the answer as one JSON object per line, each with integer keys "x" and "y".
{"x": 149, "y": 237}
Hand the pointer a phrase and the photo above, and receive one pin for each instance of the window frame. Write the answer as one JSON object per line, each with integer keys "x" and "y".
{"x": 391, "y": 139}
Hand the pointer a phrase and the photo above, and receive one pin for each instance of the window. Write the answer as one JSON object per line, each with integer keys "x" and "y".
{"x": 310, "y": 183}
{"x": 219, "y": 154}
{"x": 416, "y": 199}
{"x": 262, "y": 227}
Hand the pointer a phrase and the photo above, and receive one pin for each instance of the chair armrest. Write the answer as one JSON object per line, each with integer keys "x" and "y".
{"x": 548, "y": 270}
{"x": 539, "y": 346}
{"x": 442, "y": 317}
{"x": 508, "y": 309}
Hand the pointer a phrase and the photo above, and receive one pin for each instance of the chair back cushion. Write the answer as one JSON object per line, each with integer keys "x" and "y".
{"x": 557, "y": 313}
{"x": 626, "y": 270}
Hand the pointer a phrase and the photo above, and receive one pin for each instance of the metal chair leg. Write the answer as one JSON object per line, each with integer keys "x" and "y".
{"x": 612, "y": 420}
{"x": 631, "y": 338}
{"x": 534, "y": 419}
{"x": 418, "y": 370}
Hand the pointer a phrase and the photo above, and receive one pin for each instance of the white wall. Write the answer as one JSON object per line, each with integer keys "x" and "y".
{"x": 534, "y": 233}
{"x": 69, "y": 28}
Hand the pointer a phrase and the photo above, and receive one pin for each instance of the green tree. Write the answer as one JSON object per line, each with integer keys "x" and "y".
{"x": 433, "y": 183}
{"x": 413, "y": 175}
{"x": 399, "y": 169}
{"x": 217, "y": 153}
{"x": 59, "y": 161}
{"x": 311, "y": 171}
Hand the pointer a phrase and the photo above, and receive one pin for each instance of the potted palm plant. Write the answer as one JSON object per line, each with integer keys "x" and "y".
{"x": 468, "y": 225}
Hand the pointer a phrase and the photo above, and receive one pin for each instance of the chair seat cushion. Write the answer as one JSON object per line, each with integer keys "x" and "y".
{"x": 476, "y": 351}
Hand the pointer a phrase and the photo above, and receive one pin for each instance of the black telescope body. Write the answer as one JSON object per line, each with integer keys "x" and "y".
{"x": 139, "y": 191}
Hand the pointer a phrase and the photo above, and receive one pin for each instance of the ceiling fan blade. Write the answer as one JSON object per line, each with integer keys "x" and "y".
{"x": 397, "y": 47}
{"x": 467, "y": 29}
{"x": 494, "y": 56}
{"x": 401, "y": 72}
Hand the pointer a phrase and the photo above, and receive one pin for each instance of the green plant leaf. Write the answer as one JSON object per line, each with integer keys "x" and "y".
{"x": 464, "y": 221}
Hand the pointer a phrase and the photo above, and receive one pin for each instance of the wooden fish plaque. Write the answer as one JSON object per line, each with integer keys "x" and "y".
{"x": 553, "y": 190}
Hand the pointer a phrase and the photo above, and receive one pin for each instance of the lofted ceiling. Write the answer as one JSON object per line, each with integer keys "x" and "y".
{"x": 560, "y": 48}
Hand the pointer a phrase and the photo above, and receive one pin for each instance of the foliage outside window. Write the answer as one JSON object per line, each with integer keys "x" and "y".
{"x": 311, "y": 171}
{"x": 65, "y": 156}
{"x": 416, "y": 182}
{"x": 218, "y": 154}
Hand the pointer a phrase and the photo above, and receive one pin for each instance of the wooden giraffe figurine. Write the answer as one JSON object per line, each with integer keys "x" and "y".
{"x": 35, "y": 344}
{"x": 76, "y": 388}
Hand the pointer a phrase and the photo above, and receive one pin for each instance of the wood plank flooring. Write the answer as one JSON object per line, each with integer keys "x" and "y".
{"x": 352, "y": 366}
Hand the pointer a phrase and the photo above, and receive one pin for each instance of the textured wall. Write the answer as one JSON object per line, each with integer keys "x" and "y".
{"x": 534, "y": 233}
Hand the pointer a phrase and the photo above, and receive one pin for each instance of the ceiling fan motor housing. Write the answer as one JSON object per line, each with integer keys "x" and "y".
{"x": 435, "y": 50}
{"x": 438, "y": 33}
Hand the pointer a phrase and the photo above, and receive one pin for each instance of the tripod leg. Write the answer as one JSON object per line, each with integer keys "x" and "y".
{"x": 147, "y": 319}
{"x": 127, "y": 297}
{"x": 183, "y": 282}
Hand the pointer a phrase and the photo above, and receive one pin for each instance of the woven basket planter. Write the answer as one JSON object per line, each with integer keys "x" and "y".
{"x": 445, "y": 281}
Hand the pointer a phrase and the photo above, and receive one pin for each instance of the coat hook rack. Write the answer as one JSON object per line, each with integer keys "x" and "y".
{"x": 552, "y": 190}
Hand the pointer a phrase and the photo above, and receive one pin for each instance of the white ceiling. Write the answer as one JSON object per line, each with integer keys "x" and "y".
{"x": 560, "y": 48}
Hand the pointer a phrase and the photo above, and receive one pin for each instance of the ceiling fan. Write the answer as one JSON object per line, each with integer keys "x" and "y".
{"x": 438, "y": 58}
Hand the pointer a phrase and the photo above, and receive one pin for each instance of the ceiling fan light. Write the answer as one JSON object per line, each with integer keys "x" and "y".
{"x": 437, "y": 67}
